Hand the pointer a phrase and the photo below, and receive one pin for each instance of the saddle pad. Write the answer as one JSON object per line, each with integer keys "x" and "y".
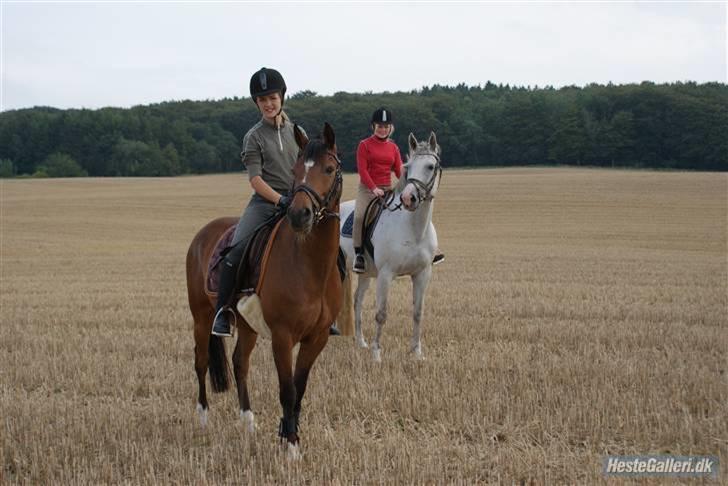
{"x": 213, "y": 269}
{"x": 249, "y": 307}
{"x": 348, "y": 229}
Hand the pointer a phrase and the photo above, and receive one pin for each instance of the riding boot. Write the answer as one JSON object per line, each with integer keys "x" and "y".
{"x": 221, "y": 325}
{"x": 360, "y": 264}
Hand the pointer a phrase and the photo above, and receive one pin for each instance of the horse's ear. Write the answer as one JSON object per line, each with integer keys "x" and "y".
{"x": 329, "y": 136}
{"x": 300, "y": 136}
{"x": 412, "y": 142}
{"x": 433, "y": 142}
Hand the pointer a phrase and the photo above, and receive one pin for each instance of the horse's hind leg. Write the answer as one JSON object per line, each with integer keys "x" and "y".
{"x": 384, "y": 280}
{"x": 241, "y": 365}
{"x": 361, "y": 289}
{"x": 202, "y": 358}
{"x": 419, "y": 286}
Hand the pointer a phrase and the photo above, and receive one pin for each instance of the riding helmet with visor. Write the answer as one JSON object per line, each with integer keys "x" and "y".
{"x": 267, "y": 81}
{"x": 382, "y": 116}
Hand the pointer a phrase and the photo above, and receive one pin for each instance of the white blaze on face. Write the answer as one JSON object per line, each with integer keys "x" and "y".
{"x": 308, "y": 164}
{"x": 407, "y": 194}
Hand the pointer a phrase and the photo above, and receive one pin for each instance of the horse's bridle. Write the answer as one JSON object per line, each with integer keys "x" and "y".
{"x": 321, "y": 204}
{"x": 424, "y": 190}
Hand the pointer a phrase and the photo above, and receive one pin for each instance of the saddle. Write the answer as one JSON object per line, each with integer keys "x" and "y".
{"x": 252, "y": 264}
{"x": 369, "y": 223}
{"x": 254, "y": 261}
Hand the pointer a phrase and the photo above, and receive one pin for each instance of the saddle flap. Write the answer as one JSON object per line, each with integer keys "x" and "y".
{"x": 369, "y": 223}
{"x": 249, "y": 270}
{"x": 251, "y": 265}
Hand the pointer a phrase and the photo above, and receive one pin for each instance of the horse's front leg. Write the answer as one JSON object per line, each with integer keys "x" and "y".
{"x": 310, "y": 349}
{"x": 384, "y": 280}
{"x": 241, "y": 365}
{"x": 361, "y": 290}
{"x": 282, "y": 354}
{"x": 419, "y": 286}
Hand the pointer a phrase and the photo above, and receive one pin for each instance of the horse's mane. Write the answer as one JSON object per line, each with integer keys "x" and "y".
{"x": 423, "y": 148}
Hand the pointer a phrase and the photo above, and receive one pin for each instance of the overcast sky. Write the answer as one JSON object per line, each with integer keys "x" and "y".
{"x": 89, "y": 55}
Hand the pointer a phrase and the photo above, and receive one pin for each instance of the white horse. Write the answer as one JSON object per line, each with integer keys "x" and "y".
{"x": 404, "y": 241}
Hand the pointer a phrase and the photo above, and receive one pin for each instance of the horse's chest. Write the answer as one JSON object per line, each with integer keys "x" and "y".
{"x": 405, "y": 255}
{"x": 301, "y": 309}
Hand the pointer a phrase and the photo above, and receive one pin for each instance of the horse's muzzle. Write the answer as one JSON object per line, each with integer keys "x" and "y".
{"x": 410, "y": 200}
{"x": 301, "y": 219}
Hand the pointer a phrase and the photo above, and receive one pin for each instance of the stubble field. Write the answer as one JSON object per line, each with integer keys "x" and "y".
{"x": 579, "y": 313}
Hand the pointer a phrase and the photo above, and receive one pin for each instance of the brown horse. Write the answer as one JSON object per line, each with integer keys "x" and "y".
{"x": 300, "y": 295}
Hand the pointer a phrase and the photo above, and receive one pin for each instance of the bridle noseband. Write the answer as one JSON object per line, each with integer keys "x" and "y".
{"x": 424, "y": 190}
{"x": 321, "y": 204}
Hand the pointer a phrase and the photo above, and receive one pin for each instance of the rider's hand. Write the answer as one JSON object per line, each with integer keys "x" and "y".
{"x": 378, "y": 192}
{"x": 283, "y": 202}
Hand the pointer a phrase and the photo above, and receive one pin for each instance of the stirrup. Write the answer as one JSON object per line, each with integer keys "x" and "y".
{"x": 230, "y": 329}
{"x": 363, "y": 267}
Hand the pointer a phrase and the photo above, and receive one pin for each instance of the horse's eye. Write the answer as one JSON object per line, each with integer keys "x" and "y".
{"x": 431, "y": 166}
{"x": 329, "y": 170}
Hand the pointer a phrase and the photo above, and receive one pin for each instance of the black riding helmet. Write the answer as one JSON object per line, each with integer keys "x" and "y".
{"x": 265, "y": 82}
{"x": 382, "y": 115}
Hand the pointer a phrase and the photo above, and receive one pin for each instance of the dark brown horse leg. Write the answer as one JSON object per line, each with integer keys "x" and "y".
{"x": 241, "y": 365}
{"x": 310, "y": 349}
{"x": 202, "y": 342}
{"x": 282, "y": 354}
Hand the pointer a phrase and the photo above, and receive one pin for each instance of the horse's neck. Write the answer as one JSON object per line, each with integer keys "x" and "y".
{"x": 417, "y": 222}
{"x": 317, "y": 252}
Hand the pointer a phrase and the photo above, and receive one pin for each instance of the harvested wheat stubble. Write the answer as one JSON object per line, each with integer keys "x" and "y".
{"x": 580, "y": 313}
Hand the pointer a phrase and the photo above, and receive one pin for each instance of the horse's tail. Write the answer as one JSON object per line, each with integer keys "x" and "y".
{"x": 219, "y": 369}
{"x": 345, "y": 319}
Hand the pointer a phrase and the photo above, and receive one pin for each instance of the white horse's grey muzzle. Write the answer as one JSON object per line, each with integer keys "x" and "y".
{"x": 410, "y": 198}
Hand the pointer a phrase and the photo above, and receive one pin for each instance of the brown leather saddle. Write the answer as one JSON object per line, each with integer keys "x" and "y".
{"x": 254, "y": 261}
{"x": 251, "y": 264}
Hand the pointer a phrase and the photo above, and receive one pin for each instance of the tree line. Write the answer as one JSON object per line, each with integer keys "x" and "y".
{"x": 675, "y": 126}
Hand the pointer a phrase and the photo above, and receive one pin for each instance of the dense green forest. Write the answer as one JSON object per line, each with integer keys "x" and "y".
{"x": 680, "y": 126}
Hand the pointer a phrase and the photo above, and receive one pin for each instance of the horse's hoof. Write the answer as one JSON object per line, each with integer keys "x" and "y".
{"x": 293, "y": 452}
{"x": 362, "y": 343}
{"x": 417, "y": 353}
{"x": 202, "y": 413}
{"x": 377, "y": 355}
{"x": 248, "y": 420}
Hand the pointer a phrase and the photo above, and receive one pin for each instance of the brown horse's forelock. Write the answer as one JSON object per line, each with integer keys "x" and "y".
{"x": 315, "y": 149}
